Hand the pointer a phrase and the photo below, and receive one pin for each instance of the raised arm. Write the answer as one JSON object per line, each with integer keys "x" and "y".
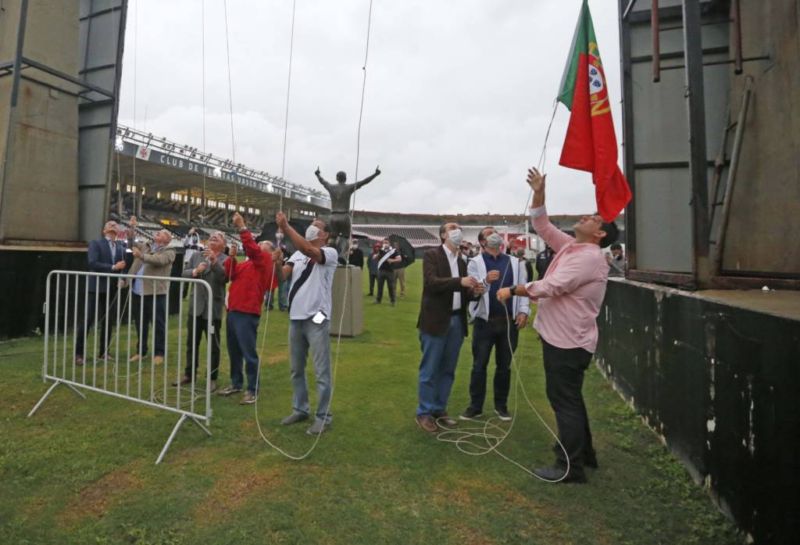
{"x": 321, "y": 180}
{"x": 369, "y": 178}
{"x": 302, "y": 245}
{"x": 554, "y": 237}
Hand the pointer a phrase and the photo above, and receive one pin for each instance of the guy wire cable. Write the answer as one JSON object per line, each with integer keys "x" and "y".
{"x": 335, "y": 364}
{"x": 492, "y": 434}
{"x": 230, "y": 105}
{"x": 288, "y": 96}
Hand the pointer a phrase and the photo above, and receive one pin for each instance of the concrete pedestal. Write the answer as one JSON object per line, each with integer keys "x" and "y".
{"x": 347, "y": 291}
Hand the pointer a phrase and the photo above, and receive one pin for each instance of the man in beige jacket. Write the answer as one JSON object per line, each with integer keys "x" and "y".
{"x": 155, "y": 260}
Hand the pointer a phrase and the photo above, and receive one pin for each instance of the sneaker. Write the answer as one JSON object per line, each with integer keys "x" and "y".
{"x": 135, "y": 358}
{"x": 294, "y": 418}
{"x": 158, "y": 360}
{"x": 79, "y": 361}
{"x": 248, "y": 398}
{"x": 318, "y": 427}
{"x": 471, "y": 413}
{"x": 503, "y": 415}
{"x": 229, "y": 390}
{"x": 213, "y": 386}
{"x": 554, "y": 474}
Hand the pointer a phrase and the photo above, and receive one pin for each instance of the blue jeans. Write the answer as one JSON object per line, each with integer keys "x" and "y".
{"x": 302, "y": 335}
{"x": 437, "y": 370}
{"x": 241, "y": 332}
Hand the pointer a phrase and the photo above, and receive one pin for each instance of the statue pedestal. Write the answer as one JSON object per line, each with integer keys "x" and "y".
{"x": 347, "y": 290}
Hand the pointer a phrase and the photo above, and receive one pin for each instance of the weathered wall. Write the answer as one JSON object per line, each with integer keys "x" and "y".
{"x": 766, "y": 199}
{"x": 720, "y": 385}
{"x": 40, "y": 181}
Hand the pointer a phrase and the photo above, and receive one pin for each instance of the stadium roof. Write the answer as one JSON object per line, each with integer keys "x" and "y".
{"x": 165, "y": 166}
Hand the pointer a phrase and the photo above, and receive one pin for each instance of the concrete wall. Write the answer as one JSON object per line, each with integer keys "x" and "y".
{"x": 40, "y": 175}
{"x": 766, "y": 199}
{"x": 718, "y": 384}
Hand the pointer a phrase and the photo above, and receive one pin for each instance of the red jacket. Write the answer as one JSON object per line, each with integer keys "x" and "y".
{"x": 249, "y": 280}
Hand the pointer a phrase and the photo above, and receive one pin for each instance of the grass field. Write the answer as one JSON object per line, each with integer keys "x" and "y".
{"x": 82, "y": 471}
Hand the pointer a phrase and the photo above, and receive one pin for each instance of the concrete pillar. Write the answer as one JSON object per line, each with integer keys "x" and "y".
{"x": 189, "y": 207}
{"x": 140, "y": 191}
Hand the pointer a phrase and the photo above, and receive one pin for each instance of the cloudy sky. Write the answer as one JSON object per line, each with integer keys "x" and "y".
{"x": 459, "y": 93}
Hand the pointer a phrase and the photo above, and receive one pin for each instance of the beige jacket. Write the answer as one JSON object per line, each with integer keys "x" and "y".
{"x": 154, "y": 263}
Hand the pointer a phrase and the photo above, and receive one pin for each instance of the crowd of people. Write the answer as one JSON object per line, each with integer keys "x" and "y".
{"x": 483, "y": 285}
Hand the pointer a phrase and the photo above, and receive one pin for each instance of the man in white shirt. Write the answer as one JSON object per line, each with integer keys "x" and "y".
{"x": 311, "y": 269}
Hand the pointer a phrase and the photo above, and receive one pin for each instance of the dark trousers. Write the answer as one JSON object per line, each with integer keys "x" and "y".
{"x": 485, "y": 336}
{"x": 102, "y": 318}
{"x": 143, "y": 312}
{"x": 373, "y": 277}
{"x": 564, "y": 370}
{"x": 388, "y": 278}
{"x": 241, "y": 332}
{"x": 197, "y": 326}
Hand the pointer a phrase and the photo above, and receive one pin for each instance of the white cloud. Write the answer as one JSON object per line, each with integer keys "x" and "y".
{"x": 458, "y": 97}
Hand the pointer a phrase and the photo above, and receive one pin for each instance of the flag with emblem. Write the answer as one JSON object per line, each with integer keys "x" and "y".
{"x": 591, "y": 144}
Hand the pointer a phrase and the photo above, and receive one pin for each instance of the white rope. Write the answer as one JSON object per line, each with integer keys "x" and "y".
{"x": 335, "y": 366}
{"x": 230, "y": 105}
{"x": 485, "y": 439}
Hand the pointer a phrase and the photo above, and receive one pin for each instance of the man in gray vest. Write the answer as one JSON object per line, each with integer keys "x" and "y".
{"x": 206, "y": 265}
{"x": 340, "y": 224}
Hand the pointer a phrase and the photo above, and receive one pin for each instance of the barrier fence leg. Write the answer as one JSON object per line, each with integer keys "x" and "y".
{"x": 47, "y": 393}
{"x": 171, "y": 437}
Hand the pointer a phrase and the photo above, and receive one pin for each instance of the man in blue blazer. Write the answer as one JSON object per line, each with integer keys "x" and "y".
{"x": 106, "y": 255}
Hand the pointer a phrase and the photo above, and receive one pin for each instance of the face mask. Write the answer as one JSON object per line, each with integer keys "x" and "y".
{"x": 312, "y": 233}
{"x": 385, "y": 246}
{"x": 494, "y": 241}
{"x": 455, "y": 236}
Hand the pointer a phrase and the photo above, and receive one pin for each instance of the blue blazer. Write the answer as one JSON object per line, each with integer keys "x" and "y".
{"x": 101, "y": 260}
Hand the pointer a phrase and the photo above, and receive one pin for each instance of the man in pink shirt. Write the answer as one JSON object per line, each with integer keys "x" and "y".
{"x": 569, "y": 298}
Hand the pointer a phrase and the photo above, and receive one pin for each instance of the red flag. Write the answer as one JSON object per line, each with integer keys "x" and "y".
{"x": 591, "y": 143}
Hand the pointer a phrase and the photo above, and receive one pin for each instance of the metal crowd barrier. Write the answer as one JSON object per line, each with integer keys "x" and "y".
{"x": 70, "y": 308}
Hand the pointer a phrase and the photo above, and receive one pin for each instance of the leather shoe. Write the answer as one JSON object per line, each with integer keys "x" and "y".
{"x": 443, "y": 420}
{"x": 556, "y": 473}
{"x": 427, "y": 423}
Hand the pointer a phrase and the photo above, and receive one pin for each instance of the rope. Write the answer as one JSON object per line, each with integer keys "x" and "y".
{"x": 230, "y": 104}
{"x": 288, "y": 95}
{"x": 203, "y": 87}
{"x": 487, "y": 438}
{"x": 335, "y": 365}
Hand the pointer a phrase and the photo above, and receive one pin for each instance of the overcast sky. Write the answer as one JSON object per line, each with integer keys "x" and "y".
{"x": 458, "y": 96}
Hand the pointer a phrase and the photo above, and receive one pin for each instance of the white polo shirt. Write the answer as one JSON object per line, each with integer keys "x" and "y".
{"x": 316, "y": 291}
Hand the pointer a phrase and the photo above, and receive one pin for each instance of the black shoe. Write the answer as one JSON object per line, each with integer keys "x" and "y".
{"x": 589, "y": 458}
{"x": 556, "y": 473}
{"x": 503, "y": 415}
{"x": 471, "y": 413}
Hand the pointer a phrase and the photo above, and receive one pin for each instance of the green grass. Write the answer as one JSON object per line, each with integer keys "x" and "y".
{"x": 82, "y": 471}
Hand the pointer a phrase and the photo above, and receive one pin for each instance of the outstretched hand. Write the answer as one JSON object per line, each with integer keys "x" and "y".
{"x": 316, "y": 172}
{"x": 238, "y": 221}
{"x": 536, "y": 180}
{"x": 377, "y": 171}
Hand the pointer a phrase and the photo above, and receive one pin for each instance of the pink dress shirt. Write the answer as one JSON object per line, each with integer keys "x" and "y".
{"x": 572, "y": 290}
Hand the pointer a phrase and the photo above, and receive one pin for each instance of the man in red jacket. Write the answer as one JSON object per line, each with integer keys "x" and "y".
{"x": 249, "y": 280}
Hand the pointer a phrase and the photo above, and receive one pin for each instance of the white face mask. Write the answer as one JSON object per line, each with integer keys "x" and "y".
{"x": 494, "y": 241}
{"x": 455, "y": 236}
{"x": 312, "y": 233}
